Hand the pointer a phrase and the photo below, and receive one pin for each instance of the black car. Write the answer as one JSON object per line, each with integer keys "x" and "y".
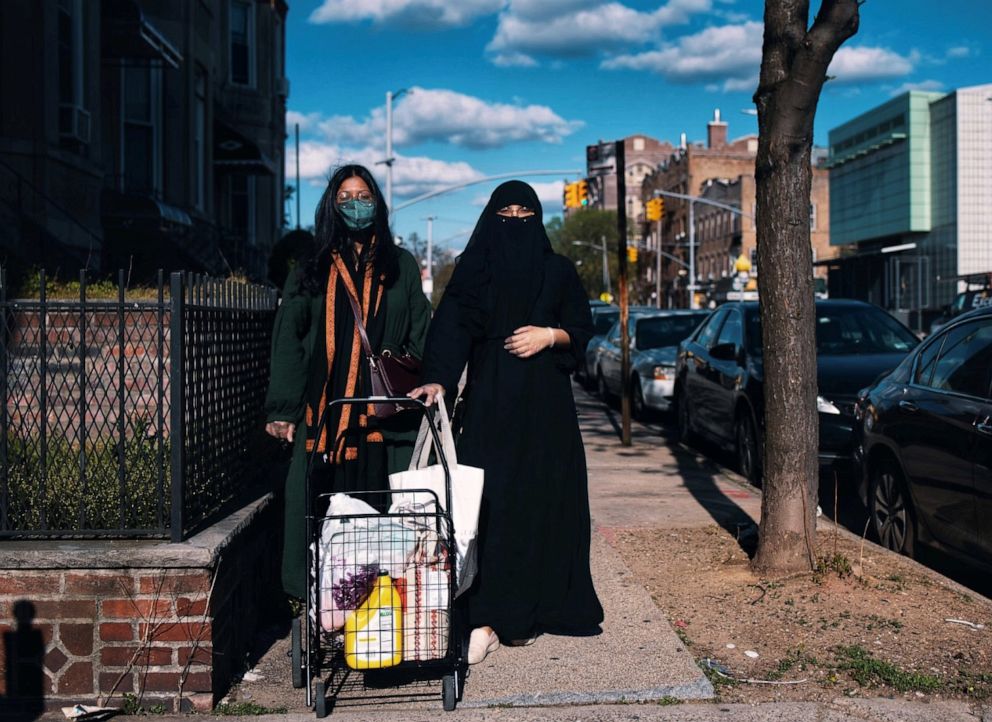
{"x": 926, "y": 444}
{"x": 719, "y": 378}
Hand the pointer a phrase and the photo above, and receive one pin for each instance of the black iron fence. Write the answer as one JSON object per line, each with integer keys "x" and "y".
{"x": 131, "y": 416}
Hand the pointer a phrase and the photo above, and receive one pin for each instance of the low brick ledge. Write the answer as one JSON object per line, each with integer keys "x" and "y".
{"x": 200, "y": 551}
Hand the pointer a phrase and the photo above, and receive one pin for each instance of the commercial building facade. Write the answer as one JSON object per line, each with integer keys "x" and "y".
{"x": 142, "y": 134}
{"x": 911, "y": 200}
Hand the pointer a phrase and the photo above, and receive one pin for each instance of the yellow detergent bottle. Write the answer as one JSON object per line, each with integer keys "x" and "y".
{"x": 373, "y": 635}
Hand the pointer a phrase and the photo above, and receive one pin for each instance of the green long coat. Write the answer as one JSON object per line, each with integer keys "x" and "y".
{"x": 295, "y": 332}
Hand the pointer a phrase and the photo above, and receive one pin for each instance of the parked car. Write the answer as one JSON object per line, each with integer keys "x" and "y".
{"x": 963, "y": 303}
{"x": 720, "y": 374}
{"x": 654, "y": 339}
{"x": 603, "y": 317}
{"x": 926, "y": 445}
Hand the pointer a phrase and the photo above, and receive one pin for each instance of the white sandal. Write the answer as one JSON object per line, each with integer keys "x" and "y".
{"x": 481, "y": 644}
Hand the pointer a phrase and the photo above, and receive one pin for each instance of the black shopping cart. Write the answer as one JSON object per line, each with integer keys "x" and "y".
{"x": 380, "y": 588}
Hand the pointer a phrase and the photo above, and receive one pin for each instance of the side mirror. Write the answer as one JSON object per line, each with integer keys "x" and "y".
{"x": 724, "y": 352}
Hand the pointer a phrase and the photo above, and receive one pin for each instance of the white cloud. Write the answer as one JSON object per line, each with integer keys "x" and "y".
{"x": 960, "y": 51}
{"x": 513, "y": 60}
{"x": 412, "y": 175}
{"x": 418, "y": 13}
{"x": 926, "y": 85}
{"x": 307, "y": 121}
{"x": 865, "y": 64}
{"x": 583, "y": 27}
{"x": 447, "y": 116}
{"x": 730, "y": 54}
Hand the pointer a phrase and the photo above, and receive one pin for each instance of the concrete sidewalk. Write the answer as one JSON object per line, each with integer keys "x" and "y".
{"x": 637, "y": 668}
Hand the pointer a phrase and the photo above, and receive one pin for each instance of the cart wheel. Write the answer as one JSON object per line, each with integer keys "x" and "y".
{"x": 320, "y": 699}
{"x": 297, "y": 653}
{"x": 449, "y": 692}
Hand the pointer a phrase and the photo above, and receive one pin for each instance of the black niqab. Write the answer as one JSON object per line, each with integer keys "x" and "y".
{"x": 499, "y": 276}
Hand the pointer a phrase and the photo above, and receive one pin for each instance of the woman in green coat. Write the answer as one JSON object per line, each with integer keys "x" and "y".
{"x": 317, "y": 355}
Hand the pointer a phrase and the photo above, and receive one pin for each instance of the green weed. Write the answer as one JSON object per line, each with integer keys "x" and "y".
{"x": 870, "y": 672}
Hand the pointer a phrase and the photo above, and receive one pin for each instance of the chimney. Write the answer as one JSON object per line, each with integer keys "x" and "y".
{"x": 716, "y": 131}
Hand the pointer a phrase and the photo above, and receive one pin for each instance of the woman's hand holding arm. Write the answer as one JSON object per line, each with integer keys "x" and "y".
{"x": 527, "y": 341}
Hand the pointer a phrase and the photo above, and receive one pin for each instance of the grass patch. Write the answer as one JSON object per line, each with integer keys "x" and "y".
{"x": 132, "y": 707}
{"x": 669, "y": 700}
{"x": 836, "y": 563}
{"x": 246, "y": 709}
{"x": 715, "y": 678}
{"x": 870, "y": 672}
{"x": 795, "y": 659}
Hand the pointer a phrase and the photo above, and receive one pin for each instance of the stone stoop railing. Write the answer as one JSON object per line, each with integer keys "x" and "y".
{"x": 170, "y": 623}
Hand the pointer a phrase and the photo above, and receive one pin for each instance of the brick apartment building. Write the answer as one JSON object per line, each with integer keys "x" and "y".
{"x": 722, "y": 170}
{"x": 642, "y": 156}
{"x": 142, "y": 134}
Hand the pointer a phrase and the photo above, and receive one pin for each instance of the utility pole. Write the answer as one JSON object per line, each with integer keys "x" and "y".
{"x": 624, "y": 301}
{"x": 657, "y": 267}
{"x": 428, "y": 283}
{"x": 692, "y": 254}
{"x": 297, "y": 176}
{"x": 606, "y": 267}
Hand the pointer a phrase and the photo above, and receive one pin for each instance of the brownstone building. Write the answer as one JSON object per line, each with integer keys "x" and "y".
{"x": 142, "y": 134}
{"x": 722, "y": 170}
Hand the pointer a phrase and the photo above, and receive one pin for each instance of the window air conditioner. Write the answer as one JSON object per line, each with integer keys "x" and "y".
{"x": 74, "y": 122}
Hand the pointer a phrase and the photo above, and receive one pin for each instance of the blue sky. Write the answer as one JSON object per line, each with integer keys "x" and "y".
{"x": 499, "y": 86}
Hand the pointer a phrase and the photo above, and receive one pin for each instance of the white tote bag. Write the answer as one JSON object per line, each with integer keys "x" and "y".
{"x": 466, "y": 492}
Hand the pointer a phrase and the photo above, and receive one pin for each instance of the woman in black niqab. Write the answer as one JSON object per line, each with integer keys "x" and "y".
{"x": 517, "y": 314}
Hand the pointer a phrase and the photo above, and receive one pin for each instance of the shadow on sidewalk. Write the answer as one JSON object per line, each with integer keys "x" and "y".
{"x": 699, "y": 474}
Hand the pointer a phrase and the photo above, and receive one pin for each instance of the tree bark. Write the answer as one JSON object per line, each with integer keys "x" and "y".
{"x": 793, "y": 70}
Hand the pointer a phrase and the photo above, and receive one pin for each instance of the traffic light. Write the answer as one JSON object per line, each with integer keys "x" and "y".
{"x": 583, "y": 192}
{"x": 631, "y": 254}
{"x": 654, "y": 209}
{"x": 572, "y": 195}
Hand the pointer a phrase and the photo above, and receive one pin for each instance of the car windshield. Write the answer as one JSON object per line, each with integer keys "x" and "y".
{"x": 602, "y": 322}
{"x": 847, "y": 330}
{"x": 664, "y": 331}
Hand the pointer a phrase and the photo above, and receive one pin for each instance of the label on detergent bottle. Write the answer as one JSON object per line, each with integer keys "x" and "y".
{"x": 373, "y": 635}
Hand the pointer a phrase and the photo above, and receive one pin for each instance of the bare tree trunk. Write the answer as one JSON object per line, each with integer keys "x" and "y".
{"x": 793, "y": 69}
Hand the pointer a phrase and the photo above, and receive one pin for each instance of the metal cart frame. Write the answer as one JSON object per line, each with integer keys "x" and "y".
{"x": 314, "y": 663}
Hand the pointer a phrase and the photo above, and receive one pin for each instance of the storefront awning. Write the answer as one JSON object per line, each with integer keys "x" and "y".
{"x": 126, "y": 34}
{"x": 234, "y": 152}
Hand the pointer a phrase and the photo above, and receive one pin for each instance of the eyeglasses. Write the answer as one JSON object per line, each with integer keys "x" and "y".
{"x": 515, "y": 212}
{"x": 345, "y": 196}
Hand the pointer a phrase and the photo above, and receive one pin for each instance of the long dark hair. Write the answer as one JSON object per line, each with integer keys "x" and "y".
{"x": 332, "y": 235}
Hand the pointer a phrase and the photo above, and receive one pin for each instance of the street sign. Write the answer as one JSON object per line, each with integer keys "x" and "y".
{"x": 601, "y": 160}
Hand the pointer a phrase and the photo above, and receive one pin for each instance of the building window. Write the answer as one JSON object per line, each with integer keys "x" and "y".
{"x": 242, "y": 41}
{"x": 242, "y": 208}
{"x": 200, "y": 140}
{"x": 812, "y": 216}
{"x": 141, "y": 116}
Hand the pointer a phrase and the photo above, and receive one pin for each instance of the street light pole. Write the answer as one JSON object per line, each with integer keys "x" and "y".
{"x": 390, "y": 97}
{"x": 692, "y": 254}
{"x": 657, "y": 262}
{"x": 606, "y": 261}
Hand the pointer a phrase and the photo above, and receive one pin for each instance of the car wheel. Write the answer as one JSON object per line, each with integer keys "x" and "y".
{"x": 889, "y": 506}
{"x": 638, "y": 408}
{"x": 748, "y": 448}
{"x": 682, "y": 418}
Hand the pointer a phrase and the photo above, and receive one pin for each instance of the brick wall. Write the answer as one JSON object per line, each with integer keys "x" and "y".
{"x": 109, "y": 362}
{"x": 163, "y": 627}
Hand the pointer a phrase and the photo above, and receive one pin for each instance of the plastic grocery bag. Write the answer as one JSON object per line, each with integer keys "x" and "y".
{"x": 356, "y": 544}
{"x": 466, "y": 493}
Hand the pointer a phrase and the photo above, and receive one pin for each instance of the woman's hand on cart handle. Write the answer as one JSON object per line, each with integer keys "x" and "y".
{"x": 430, "y": 391}
{"x": 281, "y": 430}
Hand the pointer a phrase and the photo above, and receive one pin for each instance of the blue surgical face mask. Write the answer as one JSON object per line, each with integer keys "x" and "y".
{"x": 356, "y": 214}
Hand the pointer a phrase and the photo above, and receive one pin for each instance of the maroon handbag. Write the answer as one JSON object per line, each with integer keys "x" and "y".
{"x": 392, "y": 375}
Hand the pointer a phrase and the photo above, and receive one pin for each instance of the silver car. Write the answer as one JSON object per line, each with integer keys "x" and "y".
{"x": 654, "y": 340}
